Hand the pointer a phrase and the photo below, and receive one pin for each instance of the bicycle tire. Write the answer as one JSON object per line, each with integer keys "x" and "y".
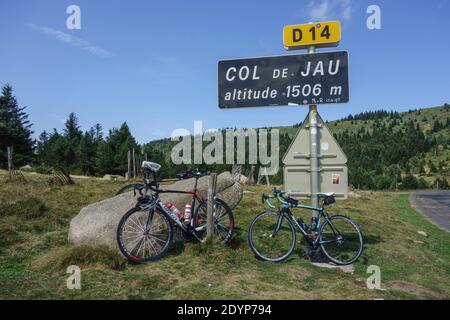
{"x": 253, "y": 246}
{"x": 326, "y": 251}
{"x": 132, "y": 257}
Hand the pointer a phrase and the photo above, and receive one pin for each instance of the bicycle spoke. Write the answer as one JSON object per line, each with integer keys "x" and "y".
{"x": 223, "y": 221}
{"x": 144, "y": 235}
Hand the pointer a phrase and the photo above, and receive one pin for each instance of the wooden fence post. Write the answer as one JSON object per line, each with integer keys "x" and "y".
{"x": 134, "y": 165}
{"x": 210, "y": 210}
{"x": 129, "y": 165}
{"x": 10, "y": 163}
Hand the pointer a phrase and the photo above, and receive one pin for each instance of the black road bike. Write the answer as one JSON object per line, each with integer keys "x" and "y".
{"x": 272, "y": 235}
{"x": 145, "y": 232}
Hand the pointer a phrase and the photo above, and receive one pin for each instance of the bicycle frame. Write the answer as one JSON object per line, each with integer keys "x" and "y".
{"x": 285, "y": 212}
{"x": 161, "y": 206}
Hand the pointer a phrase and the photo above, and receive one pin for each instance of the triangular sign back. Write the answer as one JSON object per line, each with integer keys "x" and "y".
{"x": 329, "y": 150}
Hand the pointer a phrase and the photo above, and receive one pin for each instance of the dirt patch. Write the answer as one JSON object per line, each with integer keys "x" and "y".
{"x": 413, "y": 289}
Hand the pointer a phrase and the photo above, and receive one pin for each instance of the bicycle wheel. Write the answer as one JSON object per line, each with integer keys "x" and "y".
{"x": 341, "y": 240}
{"x": 223, "y": 220}
{"x": 144, "y": 235}
{"x": 271, "y": 236}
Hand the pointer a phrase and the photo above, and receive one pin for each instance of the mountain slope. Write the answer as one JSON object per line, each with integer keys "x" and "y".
{"x": 386, "y": 150}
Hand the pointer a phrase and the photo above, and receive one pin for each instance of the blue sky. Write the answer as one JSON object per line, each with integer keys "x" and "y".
{"x": 154, "y": 63}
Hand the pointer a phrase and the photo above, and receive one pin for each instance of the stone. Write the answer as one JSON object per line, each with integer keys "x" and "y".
{"x": 112, "y": 177}
{"x": 96, "y": 224}
{"x": 347, "y": 269}
{"x": 422, "y": 233}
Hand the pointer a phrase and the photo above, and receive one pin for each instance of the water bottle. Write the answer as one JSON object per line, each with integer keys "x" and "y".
{"x": 174, "y": 209}
{"x": 187, "y": 212}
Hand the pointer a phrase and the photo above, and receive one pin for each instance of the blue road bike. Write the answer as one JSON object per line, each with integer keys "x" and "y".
{"x": 272, "y": 234}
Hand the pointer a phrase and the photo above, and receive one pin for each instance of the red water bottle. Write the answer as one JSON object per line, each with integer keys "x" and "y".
{"x": 187, "y": 212}
{"x": 174, "y": 209}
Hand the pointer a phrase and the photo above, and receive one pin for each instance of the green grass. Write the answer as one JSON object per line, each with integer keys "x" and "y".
{"x": 34, "y": 254}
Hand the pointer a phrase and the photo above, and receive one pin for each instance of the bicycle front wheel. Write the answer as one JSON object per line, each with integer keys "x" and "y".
{"x": 271, "y": 236}
{"x": 144, "y": 235}
{"x": 341, "y": 240}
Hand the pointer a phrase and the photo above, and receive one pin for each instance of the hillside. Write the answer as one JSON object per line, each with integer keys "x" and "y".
{"x": 386, "y": 150}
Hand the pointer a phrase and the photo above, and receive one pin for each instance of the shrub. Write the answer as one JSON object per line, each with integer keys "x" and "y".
{"x": 441, "y": 183}
{"x": 28, "y": 208}
{"x": 409, "y": 182}
{"x": 43, "y": 170}
{"x": 422, "y": 184}
{"x": 383, "y": 182}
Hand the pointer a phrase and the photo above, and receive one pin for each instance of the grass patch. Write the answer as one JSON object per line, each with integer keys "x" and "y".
{"x": 28, "y": 208}
{"x": 34, "y": 254}
{"x": 82, "y": 256}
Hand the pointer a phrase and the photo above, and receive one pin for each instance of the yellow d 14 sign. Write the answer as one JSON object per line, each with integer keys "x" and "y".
{"x": 321, "y": 34}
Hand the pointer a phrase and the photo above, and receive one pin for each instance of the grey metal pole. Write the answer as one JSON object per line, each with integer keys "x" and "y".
{"x": 314, "y": 155}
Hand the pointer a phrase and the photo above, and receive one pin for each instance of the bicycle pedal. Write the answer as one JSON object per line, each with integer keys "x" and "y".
{"x": 306, "y": 256}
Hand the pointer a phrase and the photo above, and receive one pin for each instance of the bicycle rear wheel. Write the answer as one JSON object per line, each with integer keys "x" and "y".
{"x": 271, "y": 236}
{"x": 223, "y": 220}
{"x": 144, "y": 235}
{"x": 341, "y": 240}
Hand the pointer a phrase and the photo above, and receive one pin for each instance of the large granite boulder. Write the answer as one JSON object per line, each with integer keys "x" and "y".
{"x": 97, "y": 223}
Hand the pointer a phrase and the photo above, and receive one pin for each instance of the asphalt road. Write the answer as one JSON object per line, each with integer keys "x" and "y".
{"x": 435, "y": 205}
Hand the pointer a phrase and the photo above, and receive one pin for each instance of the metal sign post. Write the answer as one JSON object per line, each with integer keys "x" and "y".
{"x": 314, "y": 160}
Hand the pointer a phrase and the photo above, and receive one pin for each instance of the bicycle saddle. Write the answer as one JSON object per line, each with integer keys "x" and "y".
{"x": 152, "y": 166}
{"x": 325, "y": 194}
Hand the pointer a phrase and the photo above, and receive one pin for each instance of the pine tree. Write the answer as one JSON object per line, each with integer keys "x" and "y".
{"x": 87, "y": 153}
{"x": 72, "y": 134}
{"x": 72, "y": 129}
{"x": 112, "y": 155}
{"x": 15, "y": 129}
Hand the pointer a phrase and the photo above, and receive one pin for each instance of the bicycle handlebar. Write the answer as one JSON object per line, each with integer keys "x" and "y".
{"x": 279, "y": 195}
{"x": 191, "y": 174}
